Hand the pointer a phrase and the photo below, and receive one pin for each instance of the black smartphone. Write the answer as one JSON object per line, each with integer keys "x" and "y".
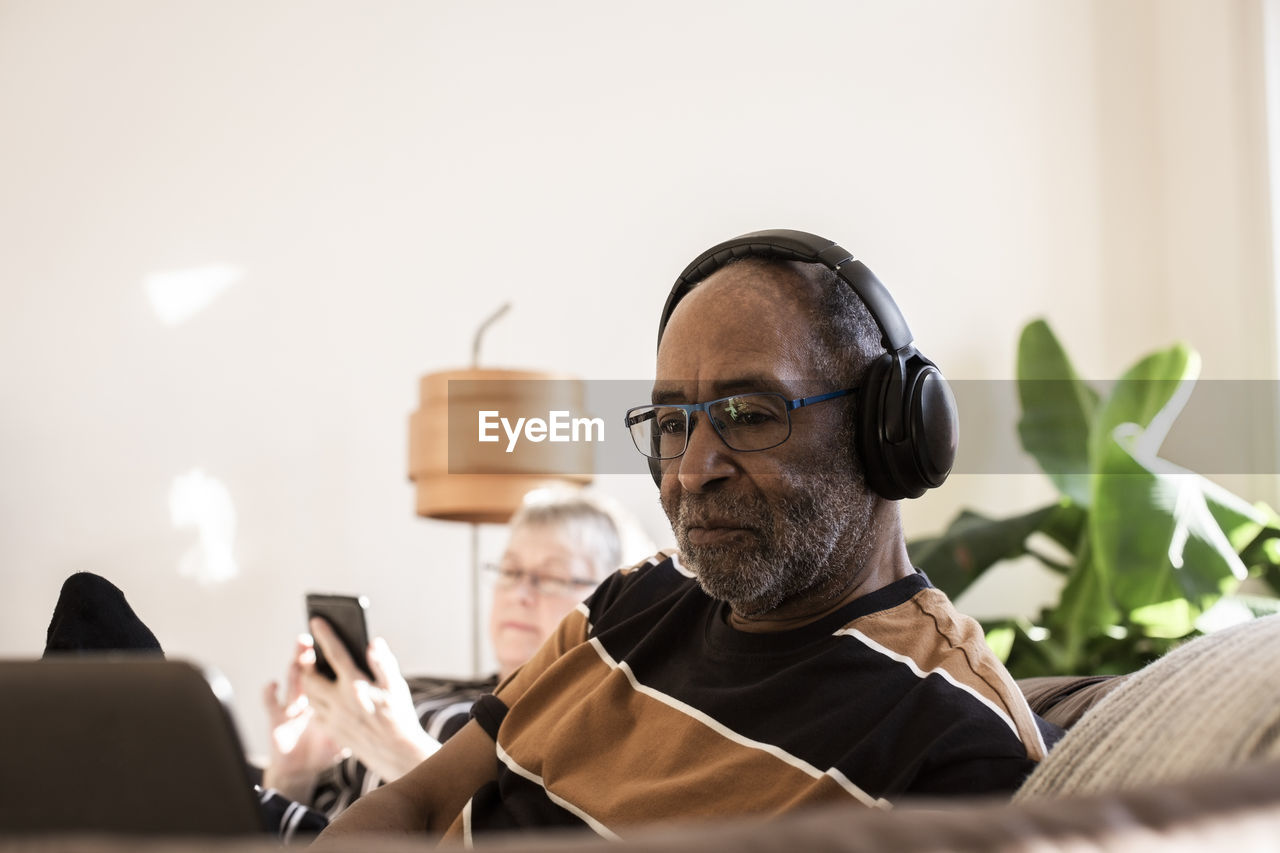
{"x": 346, "y": 613}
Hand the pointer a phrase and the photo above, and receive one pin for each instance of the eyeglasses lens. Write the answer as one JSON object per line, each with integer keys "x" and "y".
{"x": 746, "y": 422}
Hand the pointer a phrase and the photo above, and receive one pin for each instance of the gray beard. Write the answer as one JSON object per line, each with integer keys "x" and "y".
{"x": 794, "y": 547}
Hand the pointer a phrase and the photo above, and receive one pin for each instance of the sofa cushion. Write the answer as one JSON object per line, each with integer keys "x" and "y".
{"x": 1239, "y": 812}
{"x": 1211, "y": 704}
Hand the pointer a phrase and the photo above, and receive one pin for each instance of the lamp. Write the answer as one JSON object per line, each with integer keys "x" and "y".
{"x": 460, "y": 478}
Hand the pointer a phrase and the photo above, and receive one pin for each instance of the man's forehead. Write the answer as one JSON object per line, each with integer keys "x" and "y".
{"x": 767, "y": 287}
{"x": 667, "y": 390}
{"x": 742, "y": 303}
{"x": 701, "y": 390}
{"x": 746, "y": 328}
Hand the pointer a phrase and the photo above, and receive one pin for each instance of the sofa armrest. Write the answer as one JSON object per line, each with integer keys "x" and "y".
{"x": 1063, "y": 699}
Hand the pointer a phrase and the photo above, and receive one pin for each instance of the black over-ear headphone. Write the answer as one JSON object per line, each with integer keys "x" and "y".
{"x": 908, "y": 426}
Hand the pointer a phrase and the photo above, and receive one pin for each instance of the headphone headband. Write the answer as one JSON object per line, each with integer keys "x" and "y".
{"x": 787, "y": 245}
{"x": 907, "y": 427}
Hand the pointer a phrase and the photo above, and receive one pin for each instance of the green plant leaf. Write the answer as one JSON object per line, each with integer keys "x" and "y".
{"x": 1000, "y": 640}
{"x": 1057, "y": 411}
{"x": 972, "y": 544}
{"x": 1084, "y": 610}
{"x": 1035, "y": 651}
{"x": 1150, "y": 394}
{"x": 1068, "y": 526}
{"x": 1115, "y": 653}
{"x": 1262, "y": 554}
{"x": 1259, "y": 605}
{"x": 1153, "y": 546}
{"x": 1164, "y": 536}
{"x": 1242, "y": 522}
{"x": 1169, "y": 619}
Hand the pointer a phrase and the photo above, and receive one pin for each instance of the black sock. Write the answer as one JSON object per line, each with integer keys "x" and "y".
{"x": 92, "y": 615}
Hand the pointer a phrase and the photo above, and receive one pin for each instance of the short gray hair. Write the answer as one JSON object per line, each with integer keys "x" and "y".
{"x": 585, "y": 518}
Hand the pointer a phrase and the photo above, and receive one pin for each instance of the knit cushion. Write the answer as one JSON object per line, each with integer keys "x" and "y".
{"x": 1212, "y": 703}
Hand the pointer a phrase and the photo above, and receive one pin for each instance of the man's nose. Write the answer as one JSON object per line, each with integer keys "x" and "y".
{"x": 706, "y": 458}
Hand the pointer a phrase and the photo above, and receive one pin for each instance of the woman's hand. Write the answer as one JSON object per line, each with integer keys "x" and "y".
{"x": 375, "y": 719}
{"x": 300, "y": 748}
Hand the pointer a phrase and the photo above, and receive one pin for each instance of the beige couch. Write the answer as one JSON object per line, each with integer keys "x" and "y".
{"x": 1183, "y": 755}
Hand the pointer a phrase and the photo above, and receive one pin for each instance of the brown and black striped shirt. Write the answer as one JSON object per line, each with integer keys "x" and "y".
{"x": 646, "y": 705}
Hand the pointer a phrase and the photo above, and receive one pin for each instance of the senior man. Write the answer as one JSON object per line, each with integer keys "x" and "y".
{"x": 789, "y": 654}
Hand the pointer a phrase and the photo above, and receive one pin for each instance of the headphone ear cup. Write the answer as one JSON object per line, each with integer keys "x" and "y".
{"x": 934, "y": 425}
{"x": 908, "y": 426}
{"x": 869, "y": 438}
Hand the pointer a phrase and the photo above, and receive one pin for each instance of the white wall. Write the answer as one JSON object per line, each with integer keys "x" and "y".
{"x": 385, "y": 174}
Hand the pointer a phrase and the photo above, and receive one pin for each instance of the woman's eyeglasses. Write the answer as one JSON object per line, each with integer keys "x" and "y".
{"x": 509, "y": 577}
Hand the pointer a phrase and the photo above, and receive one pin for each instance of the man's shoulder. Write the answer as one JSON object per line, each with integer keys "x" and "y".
{"x": 667, "y": 558}
{"x": 661, "y": 567}
{"x": 915, "y": 621}
{"x": 656, "y": 576}
{"x": 927, "y": 634}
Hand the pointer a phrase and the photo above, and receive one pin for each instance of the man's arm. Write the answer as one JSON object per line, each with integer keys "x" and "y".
{"x": 427, "y": 798}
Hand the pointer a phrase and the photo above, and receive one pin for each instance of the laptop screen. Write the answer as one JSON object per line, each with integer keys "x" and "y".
{"x": 123, "y": 744}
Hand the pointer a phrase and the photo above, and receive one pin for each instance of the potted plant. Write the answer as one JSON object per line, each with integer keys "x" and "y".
{"x": 1146, "y": 547}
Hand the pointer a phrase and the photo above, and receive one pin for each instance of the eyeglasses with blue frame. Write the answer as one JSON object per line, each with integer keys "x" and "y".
{"x": 745, "y": 422}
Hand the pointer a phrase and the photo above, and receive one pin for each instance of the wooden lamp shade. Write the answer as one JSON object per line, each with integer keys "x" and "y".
{"x": 464, "y": 480}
